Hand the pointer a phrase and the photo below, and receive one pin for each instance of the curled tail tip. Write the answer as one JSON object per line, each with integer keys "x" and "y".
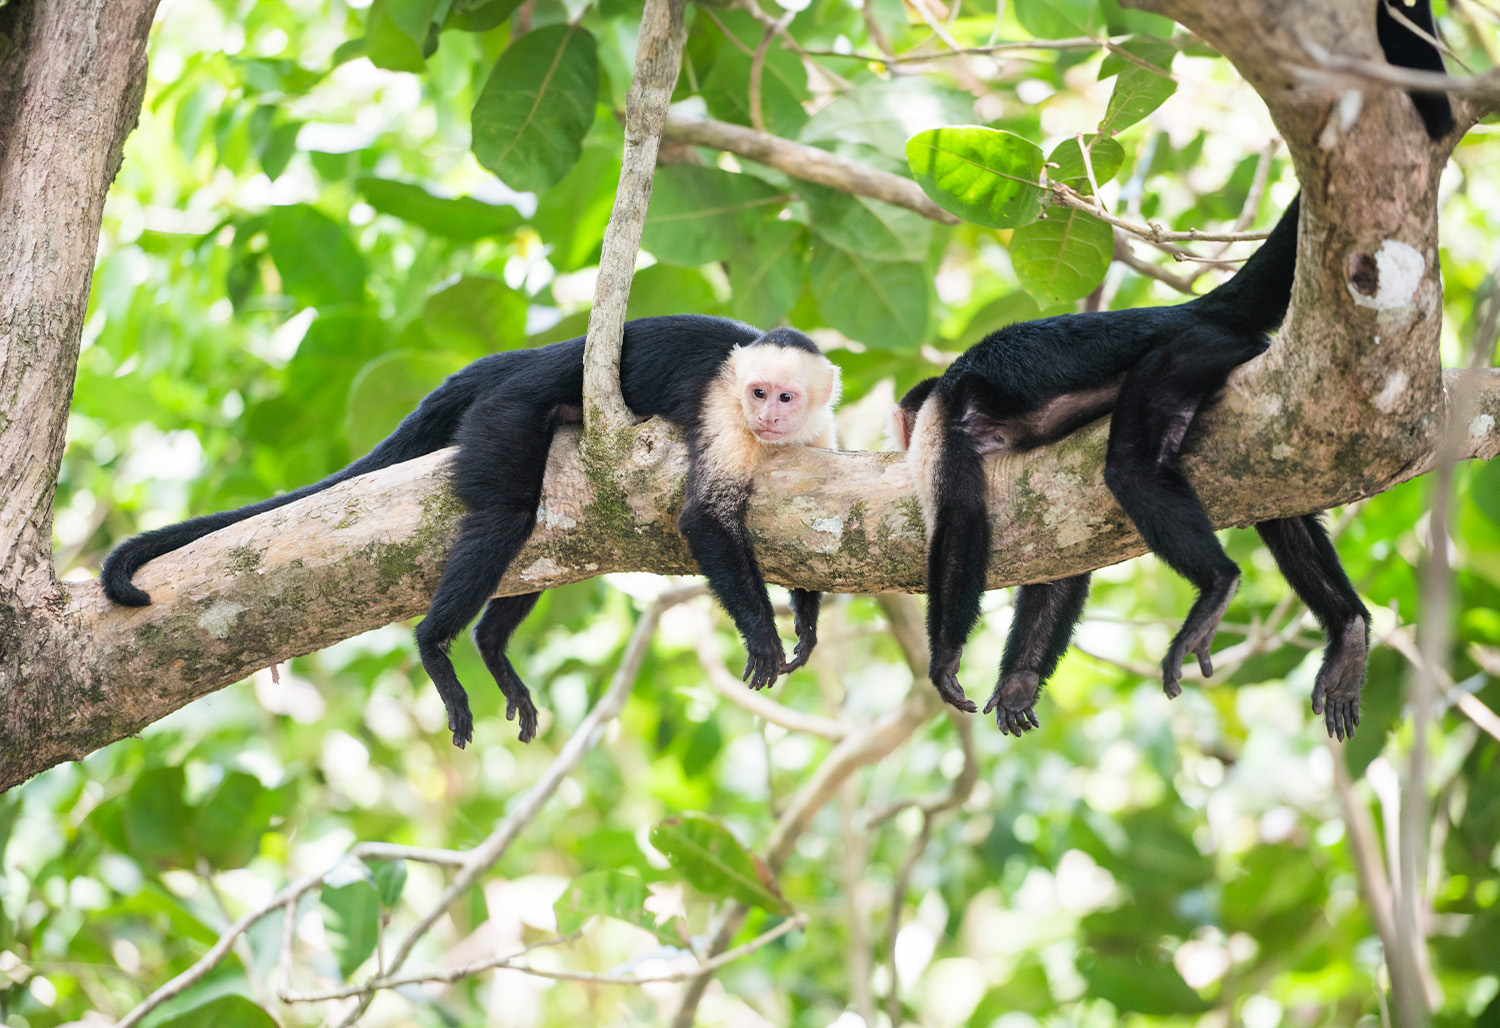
{"x": 114, "y": 579}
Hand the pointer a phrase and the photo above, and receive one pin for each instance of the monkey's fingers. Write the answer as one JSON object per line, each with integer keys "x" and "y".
{"x": 461, "y": 724}
{"x": 523, "y": 706}
{"x": 761, "y": 669}
{"x": 801, "y": 653}
{"x": 1205, "y": 662}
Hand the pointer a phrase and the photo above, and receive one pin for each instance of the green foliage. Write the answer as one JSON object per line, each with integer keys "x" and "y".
{"x": 317, "y": 219}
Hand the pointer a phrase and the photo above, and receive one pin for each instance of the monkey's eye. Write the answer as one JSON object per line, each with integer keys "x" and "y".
{"x": 786, "y": 397}
{"x": 760, "y": 394}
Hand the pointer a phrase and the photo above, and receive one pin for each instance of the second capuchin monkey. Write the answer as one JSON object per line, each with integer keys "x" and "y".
{"x": 1156, "y": 369}
{"x": 741, "y": 394}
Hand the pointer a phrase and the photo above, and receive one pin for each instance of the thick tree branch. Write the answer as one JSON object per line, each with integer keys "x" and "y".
{"x": 658, "y": 59}
{"x": 369, "y": 551}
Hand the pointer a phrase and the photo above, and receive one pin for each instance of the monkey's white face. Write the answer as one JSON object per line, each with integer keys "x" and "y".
{"x": 774, "y": 411}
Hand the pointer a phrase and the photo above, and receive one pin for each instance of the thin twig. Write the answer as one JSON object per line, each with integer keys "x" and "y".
{"x": 1066, "y": 196}
{"x": 723, "y": 682}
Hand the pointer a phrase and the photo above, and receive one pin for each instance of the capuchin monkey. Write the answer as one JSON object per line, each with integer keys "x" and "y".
{"x": 1156, "y": 368}
{"x": 740, "y": 393}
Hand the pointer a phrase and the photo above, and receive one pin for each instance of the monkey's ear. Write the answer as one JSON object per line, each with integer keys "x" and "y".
{"x": 830, "y": 388}
{"x": 898, "y": 432}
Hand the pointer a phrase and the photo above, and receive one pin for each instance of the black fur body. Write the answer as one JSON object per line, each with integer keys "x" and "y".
{"x": 502, "y": 412}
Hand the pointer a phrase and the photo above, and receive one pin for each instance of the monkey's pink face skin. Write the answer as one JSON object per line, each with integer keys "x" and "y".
{"x": 774, "y": 410}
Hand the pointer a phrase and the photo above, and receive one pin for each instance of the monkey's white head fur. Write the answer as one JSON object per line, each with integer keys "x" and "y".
{"x": 786, "y": 394}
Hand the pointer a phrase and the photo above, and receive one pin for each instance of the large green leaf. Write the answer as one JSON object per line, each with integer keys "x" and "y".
{"x": 1063, "y": 256}
{"x": 460, "y": 217}
{"x": 882, "y": 304}
{"x": 783, "y": 87}
{"x": 1138, "y": 92}
{"x": 1143, "y": 984}
{"x": 231, "y": 1011}
{"x": 711, "y": 859}
{"x": 156, "y": 817}
{"x": 479, "y": 15}
{"x": 980, "y": 174}
{"x": 227, "y": 828}
{"x": 387, "y": 389}
{"x": 531, "y": 117}
{"x": 318, "y": 262}
{"x": 570, "y": 217}
{"x": 613, "y": 894}
{"x": 475, "y": 316}
{"x": 351, "y": 920}
{"x": 700, "y": 214}
{"x": 767, "y": 278}
{"x": 1057, "y": 19}
{"x": 397, "y": 33}
{"x": 871, "y": 227}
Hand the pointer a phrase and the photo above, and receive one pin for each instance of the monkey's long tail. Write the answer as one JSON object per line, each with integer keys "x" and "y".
{"x": 428, "y": 428}
{"x": 1257, "y": 297}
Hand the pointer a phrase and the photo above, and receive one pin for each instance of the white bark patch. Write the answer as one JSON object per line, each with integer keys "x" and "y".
{"x": 218, "y": 620}
{"x": 834, "y": 526}
{"x": 1481, "y": 426}
{"x": 1066, "y": 502}
{"x": 1346, "y": 114}
{"x": 541, "y": 570}
{"x": 1282, "y": 451}
{"x": 1390, "y": 396}
{"x": 554, "y": 520}
{"x": 1400, "y": 267}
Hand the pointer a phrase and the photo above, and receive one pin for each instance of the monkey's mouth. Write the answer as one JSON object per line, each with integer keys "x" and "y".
{"x": 771, "y": 435}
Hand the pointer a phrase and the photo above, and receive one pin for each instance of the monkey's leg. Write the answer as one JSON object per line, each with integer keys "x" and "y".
{"x": 502, "y": 457}
{"x": 491, "y": 634}
{"x": 1311, "y": 567}
{"x": 1045, "y": 616}
{"x": 958, "y": 558}
{"x": 805, "y": 605}
{"x": 1158, "y": 401}
{"x": 713, "y": 523}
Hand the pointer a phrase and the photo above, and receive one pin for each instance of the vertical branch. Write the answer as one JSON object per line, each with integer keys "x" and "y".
{"x": 658, "y": 59}
{"x": 72, "y": 76}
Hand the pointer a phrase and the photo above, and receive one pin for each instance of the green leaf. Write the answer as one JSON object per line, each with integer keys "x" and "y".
{"x": 351, "y": 919}
{"x": 1106, "y": 156}
{"x": 767, "y": 278}
{"x": 712, "y": 860}
{"x": 1063, "y": 256}
{"x": 783, "y": 88}
{"x": 531, "y": 117}
{"x": 229, "y": 824}
{"x": 1137, "y": 93}
{"x": 156, "y": 817}
{"x": 390, "y": 879}
{"x": 613, "y": 894}
{"x": 479, "y": 15}
{"x": 318, "y": 262}
{"x": 882, "y": 304}
{"x": 396, "y": 33}
{"x": 1057, "y": 19}
{"x": 853, "y": 223}
{"x": 1158, "y": 52}
{"x": 700, "y": 214}
{"x": 1143, "y": 984}
{"x": 387, "y": 389}
{"x": 982, "y": 175}
{"x": 570, "y": 217}
{"x": 461, "y": 217}
{"x": 231, "y": 1011}
{"x": 667, "y": 289}
{"x": 474, "y": 316}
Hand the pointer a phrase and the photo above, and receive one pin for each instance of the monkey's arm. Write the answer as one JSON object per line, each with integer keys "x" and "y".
{"x": 713, "y": 523}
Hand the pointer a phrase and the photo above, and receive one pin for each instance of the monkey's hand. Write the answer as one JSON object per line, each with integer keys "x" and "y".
{"x": 461, "y": 724}
{"x": 1014, "y": 702}
{"x": 762, "y": 664}
{"x": 1336, "y": 692}
{"x": 943, "y": 670}
{"x": 521, "y": 704}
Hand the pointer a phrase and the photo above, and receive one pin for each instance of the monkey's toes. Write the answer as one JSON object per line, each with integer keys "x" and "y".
{"x": 953, "y": 693}
{"x": 1014, "y": 702}
{"x": 800, "y": 653}
{"x": 461, "y": 724}
{"x": 1341, "y": 717}
{"x": 523, "y": 707}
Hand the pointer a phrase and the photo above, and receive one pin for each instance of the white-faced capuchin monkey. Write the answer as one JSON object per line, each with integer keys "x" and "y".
{"x": 1156, "y": 369}
{"x": 740, "y": 393}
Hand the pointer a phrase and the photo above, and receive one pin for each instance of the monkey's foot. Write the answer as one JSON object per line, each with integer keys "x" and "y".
{"x": 1014, "y": 703}
{"x": 807, "y": 638}
{"x": 762, "y": 665}
{"x": 1197, "y": 634}
{"x": 521, "y": 704}
{"x": 461, "y": 724}
{"x": 944, "y": 674}
{"x": 1336, "y": 692}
